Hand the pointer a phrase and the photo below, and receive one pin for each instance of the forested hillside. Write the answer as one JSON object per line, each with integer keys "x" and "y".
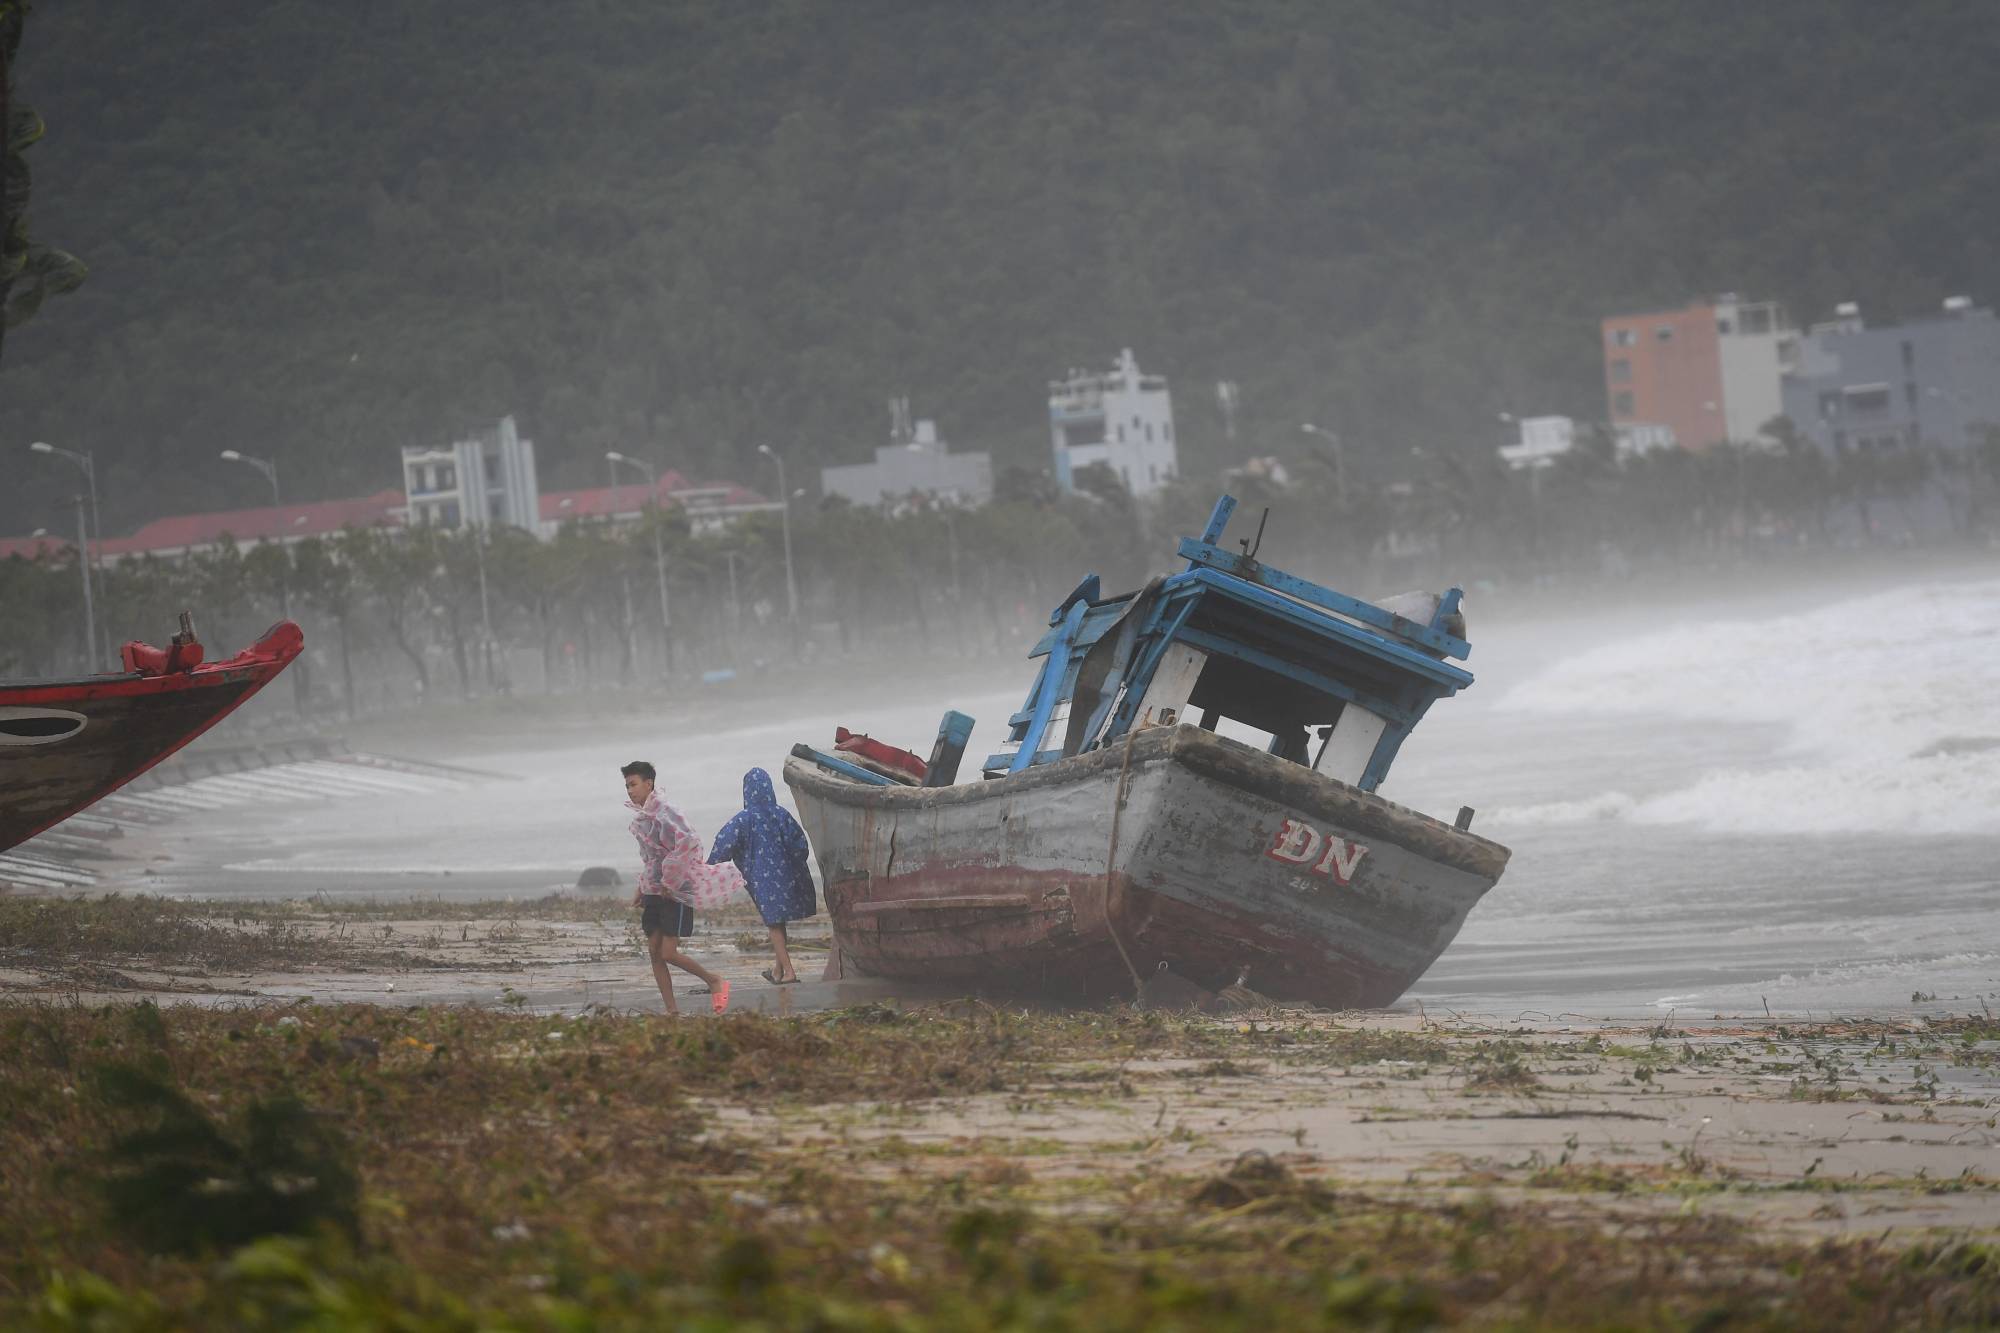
{"x": 320, "y": 231}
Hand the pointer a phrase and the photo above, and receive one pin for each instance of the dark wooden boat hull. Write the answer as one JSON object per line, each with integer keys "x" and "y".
{"x": 1174, "y": 846}
{"x": 128, "y": 723}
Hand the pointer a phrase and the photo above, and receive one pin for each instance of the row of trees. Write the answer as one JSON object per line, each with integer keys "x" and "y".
{"x": 392, "y": 615}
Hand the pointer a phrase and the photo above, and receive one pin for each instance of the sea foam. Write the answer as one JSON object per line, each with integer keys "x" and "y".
{"x": 1885, "y": 704}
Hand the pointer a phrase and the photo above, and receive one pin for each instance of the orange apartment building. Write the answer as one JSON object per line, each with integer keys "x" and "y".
{"x": 1710, "y": 371}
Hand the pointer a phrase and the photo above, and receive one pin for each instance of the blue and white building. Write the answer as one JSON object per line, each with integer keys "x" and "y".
{"x": 1121, "y": 418}
{"x": 486, "y": 479}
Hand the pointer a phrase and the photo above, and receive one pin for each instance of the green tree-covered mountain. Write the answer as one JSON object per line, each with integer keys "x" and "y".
{"x": 319, "y": 231}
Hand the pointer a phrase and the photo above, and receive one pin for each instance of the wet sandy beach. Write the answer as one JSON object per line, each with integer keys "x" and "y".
{"x": 1885, "y": 1124}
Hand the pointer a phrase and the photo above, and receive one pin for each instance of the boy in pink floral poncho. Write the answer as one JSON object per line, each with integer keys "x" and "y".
{"x": 674, "y": 876}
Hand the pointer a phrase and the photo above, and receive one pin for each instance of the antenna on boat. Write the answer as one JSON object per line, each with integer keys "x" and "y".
{"x": 1251, "y": 548}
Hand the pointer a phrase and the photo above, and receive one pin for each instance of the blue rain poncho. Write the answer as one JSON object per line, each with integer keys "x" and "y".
{"x": 769, "y": 847}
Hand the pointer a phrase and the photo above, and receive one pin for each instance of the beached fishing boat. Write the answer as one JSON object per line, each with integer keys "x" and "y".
{"x": 1117, "y": 833}
{"x": 65, "y": 744}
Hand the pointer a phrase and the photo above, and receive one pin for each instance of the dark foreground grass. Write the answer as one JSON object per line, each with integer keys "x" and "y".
{"x": 512, "y": 1171}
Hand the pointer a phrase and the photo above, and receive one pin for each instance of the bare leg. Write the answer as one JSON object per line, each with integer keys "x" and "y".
{"x": 661, "y": 976}
{"x": 783, "y": 971}
{"x": 670, "y": 952}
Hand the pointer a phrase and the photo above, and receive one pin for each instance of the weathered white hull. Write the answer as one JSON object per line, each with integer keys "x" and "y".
{"x": 1172, "y": 846}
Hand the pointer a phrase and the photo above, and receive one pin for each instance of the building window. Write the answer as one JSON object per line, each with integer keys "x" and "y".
{"x": 1121, "y": 434}
{"x": 1152, "y": 475}
{"x": 1910, "y": 393}
{"x": 447, "y": 477}
{"x": 1621, "y": 403}
{"x": 1829, "y": 406}
{"x": 1167, "y": 431}
{"x": 1621, "y": 371}
{"x": 1624, "y": 337}
{"x": 1149, "y": 432}
{"x": 1909, "y": 357}
{"x": 1665, "y": 333}
{"x": 1722, "y": 326}
{"x": 1867, "y": 397}
{"x": 449, "y": 513}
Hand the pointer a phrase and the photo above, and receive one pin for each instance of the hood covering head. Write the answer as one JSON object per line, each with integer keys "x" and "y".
{"x": 757, "y": 791}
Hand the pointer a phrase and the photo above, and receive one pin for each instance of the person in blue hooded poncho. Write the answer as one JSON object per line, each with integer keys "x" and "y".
{"x": 769, "y": 847}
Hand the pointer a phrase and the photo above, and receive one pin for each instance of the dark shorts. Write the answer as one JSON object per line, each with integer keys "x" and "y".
{"x": 667, "y": 916}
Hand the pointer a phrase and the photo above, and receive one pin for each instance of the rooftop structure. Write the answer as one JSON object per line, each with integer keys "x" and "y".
{"x": 916, "y": 462}
{"x": 1925, "y": 381}
{"x": 1120, "y": 418}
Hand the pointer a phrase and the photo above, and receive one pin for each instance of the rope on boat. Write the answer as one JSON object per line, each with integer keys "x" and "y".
{"x": 1111, "y": 860}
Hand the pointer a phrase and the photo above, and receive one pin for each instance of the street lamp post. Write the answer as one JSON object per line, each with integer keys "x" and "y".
{"x": 659, "y": 552}
{"x": 785, "y": 523}
{"x": 270, "y": 471}
{"x": 943, "y": 511}
{"x": 90, "y": 543}
{"x": 735, "y": 606}
{"x": 1332, "y": 437}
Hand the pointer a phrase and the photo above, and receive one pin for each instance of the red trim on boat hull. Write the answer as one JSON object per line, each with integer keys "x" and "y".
{"x": 131, "y": 723}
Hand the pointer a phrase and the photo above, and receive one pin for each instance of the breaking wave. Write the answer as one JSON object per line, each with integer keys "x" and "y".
{"x": 1886, "y": 703}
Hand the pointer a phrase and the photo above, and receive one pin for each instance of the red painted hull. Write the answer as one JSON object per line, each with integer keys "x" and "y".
{"x": 67, "y": 744}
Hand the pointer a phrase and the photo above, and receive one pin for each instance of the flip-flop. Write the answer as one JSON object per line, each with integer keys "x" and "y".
{"x": 719, "y": 996}
{"x": 775, "y": 980}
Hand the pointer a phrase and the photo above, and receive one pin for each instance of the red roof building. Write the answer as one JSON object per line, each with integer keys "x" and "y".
{"x": 33, "y": 548}
{"x": 281, "y": 523}
{"x": 709, "y": 507}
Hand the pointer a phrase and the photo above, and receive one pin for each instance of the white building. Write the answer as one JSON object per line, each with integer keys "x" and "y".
{"x": 1757, "y": 345}
{"x": 919, "y": 463}
{"x": 1122, "y": 419}
{"x": 487, "y": 479}
{"x": 1543, "y": 440}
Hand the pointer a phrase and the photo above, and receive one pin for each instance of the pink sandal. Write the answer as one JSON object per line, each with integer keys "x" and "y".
{"x": 718, "y": 996}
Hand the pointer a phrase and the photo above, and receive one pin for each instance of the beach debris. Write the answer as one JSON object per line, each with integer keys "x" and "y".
{"x": 345, "y": 1050}
{"x": 1257, "y": 1177}
{"x": 599, "y": 877}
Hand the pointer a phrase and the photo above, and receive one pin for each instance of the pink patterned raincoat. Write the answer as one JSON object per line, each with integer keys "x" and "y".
{"x": 673, "y": 858}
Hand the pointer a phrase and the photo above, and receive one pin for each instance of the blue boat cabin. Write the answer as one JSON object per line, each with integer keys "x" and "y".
{"x": 1336, "y": 682}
